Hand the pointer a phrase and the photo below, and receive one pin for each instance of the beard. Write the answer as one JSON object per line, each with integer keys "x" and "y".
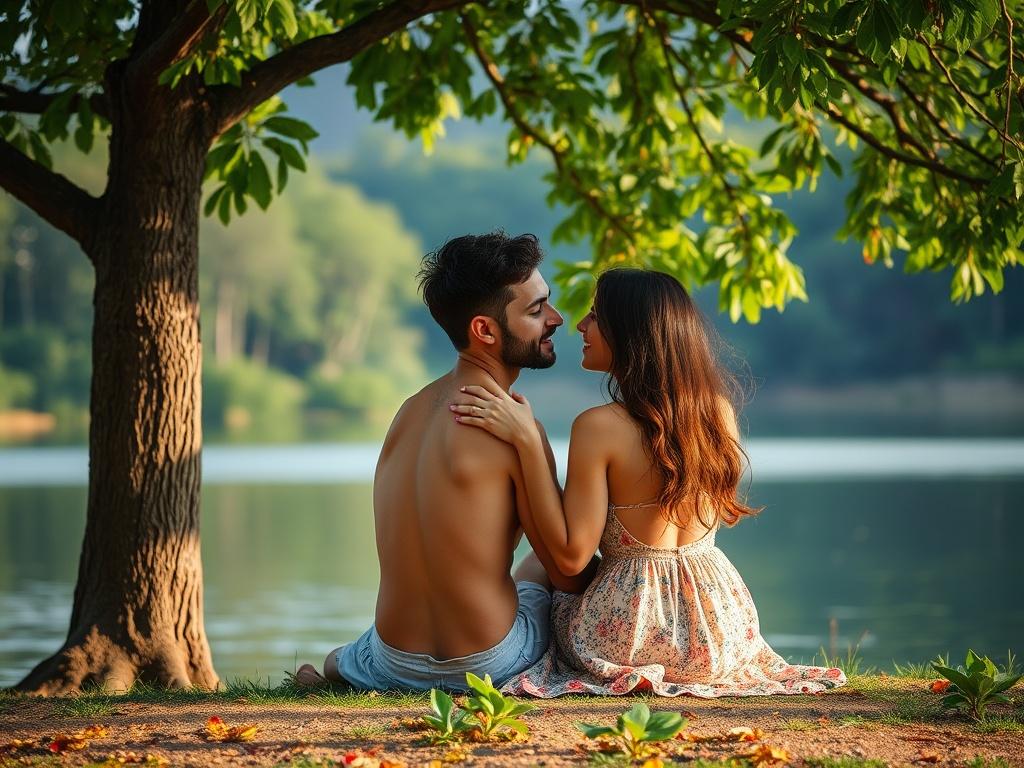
{"x": 522, "y": 353}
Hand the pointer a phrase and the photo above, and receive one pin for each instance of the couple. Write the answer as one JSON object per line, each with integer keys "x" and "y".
{"x": 465, "y": 470}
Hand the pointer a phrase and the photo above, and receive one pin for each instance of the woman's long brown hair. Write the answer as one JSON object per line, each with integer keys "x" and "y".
{"x": 665, "y": 374}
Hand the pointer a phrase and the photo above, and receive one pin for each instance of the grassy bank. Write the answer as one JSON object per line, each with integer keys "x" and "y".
{"x": 876, "y": 720}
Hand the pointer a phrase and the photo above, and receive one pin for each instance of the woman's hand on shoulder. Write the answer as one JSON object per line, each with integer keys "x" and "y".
{"x": 506, "y": 415}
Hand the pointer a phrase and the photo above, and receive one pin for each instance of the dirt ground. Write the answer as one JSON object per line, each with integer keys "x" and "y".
{"x": 892, "y": 720}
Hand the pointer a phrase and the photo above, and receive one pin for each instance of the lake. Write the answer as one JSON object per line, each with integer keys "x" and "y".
{"x": 911, "y": 546}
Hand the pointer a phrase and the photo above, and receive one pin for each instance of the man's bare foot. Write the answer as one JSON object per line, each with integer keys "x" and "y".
{"x": 307, "y": 675}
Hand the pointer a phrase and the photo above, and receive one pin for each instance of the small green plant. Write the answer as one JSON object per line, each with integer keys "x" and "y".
{"x": 447, "y": 723}
{"x": 976, "y": 685}
{"x": 637, "y": 730}
{"x": 493, "y": 711}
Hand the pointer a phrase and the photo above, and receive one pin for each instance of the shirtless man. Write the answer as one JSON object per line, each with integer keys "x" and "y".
{"x": 449, "y": 503}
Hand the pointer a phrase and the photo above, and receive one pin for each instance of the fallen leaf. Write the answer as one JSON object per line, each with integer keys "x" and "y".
{"x": 73, "y": 742}
{"x": 654, "y": 762}
{"x": 824, "y": 720}
{"x": 765, "y": 754}
{"x": 411, "y": 723}
{"x": 688, "y": 714}
{"x": 456, "y": 754}
{"x": 939, "y": 686}
{"x": 743, "y": 733}
{"x": 17, "y": 744}
{"x": 217, "y": 730}
{"x": 927, "y": 756}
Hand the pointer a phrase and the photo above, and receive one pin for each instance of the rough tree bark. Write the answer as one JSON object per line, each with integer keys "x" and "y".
{"x": 138, "y": 605}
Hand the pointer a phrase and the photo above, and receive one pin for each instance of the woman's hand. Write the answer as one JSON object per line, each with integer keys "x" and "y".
{"x": 505, "y": 415}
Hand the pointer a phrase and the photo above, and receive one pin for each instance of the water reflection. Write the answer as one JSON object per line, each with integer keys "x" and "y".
{"x": 291, "y": 571}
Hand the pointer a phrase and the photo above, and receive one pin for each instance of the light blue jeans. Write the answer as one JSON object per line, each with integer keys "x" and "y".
{"x": 370, "y": 664}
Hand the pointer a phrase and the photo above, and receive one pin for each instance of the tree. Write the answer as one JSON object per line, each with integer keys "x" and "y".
{"x": 627, "y": 105}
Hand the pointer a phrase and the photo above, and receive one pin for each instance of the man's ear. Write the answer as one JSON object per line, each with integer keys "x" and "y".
{"x": 484, "y": 329}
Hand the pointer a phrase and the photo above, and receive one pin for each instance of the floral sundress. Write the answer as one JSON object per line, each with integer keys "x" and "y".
{"x": 671, "y": 621}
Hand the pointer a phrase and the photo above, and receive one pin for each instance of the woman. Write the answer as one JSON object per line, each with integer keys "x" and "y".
{"x": 651, "y": 476}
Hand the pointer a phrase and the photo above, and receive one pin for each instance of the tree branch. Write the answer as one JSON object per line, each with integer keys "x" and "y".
{"x": 176, "y": 42}
{"x": 284, "y": 68}
{"x": 59, "y": 201}
{"x": 1009, "y": 75}
{"x": 589, "y": 196}
{"x": 35, "y": 103}
{"x": 939, "y": 123}
{"x": 893, "y": 154}
{"x": 967, "y": 99}
{"x": 669, "y": 53}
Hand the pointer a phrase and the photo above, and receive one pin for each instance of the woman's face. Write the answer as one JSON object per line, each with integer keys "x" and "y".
{"x": 597, "y": 355}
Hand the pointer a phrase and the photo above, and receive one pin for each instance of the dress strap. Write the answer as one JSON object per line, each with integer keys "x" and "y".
{"x": 612, "y": 507}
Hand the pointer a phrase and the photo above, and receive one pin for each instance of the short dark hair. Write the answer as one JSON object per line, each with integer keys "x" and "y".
{"x": 473, "y": 275}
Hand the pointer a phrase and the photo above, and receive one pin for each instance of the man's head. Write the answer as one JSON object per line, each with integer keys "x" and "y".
{"x": 486, "y": 293}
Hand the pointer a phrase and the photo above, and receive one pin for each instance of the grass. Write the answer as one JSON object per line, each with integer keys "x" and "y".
{"x": 921, "y": 671}
{"x": 844, "y": 762}
{"x": 987, "y": 762}
{"x": 996, "y": 724}
{"x": 799, "y": 724}
{"x": 84, "y": 706}
{"x": 97, "y": 702}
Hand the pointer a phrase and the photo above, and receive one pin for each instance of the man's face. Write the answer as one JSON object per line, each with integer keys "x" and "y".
{"x": 530, "y": 320}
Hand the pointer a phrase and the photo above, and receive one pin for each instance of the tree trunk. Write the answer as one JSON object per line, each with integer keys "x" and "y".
{"x": 138, "y": 605}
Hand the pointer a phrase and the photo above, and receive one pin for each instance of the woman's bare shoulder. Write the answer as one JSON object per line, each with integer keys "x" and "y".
{"x": 608, "y": 421}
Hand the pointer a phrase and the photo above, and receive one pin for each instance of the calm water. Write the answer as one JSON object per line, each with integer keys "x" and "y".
{"x": 915, "y": 543}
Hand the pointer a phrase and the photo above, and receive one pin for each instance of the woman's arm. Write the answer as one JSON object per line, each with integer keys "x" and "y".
{"x": 570, "y": 529}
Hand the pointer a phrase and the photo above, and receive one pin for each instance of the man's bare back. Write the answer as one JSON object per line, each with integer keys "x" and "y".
{"x": 449, "y": 502}
{"x": 446, "y": 523}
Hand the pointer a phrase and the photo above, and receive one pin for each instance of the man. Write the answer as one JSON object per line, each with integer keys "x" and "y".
{"x": 449, "y": 503}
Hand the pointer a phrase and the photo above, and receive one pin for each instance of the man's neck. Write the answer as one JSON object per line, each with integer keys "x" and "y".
{"x": 472, "y": 365}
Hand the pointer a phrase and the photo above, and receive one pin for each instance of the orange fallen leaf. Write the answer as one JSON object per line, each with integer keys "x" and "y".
{"x": 217, "y": 730}
{"x": 456, "y": 754}
{"x": 17, "y": 744}
{"x": 73, "y": 742}
{"x": 927, "y": 756}
{"x": 743, "y": 733}
{"x": 824, "y": 720}
{"x": 939, "y": 686}
{"x": 362, "y": 758}
{"x": 654, "y": 762}
{"x": 765, "y": 754}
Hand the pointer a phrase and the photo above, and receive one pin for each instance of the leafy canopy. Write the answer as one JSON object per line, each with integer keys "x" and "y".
{"x": 670, "y": 124}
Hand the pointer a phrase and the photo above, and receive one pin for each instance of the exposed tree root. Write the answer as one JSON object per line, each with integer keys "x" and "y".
{"x": 95, "y": 660}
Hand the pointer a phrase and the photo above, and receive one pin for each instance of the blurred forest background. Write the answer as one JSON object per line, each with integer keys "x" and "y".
{"x": 313, "y": 328}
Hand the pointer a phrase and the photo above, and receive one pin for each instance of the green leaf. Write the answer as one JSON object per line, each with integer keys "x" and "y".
{"x": 282, "y": 175}
{"x": 594, "y": 731}
{"x": 248, "y": 13}
{"x": 286, "y": 152}
{"x": 292, "y": 128}
{"x": 213, "y": 199}
{"x": 959, "y": 679}
{"x": 282, "y": 14}
{"x": 664, "y": 725}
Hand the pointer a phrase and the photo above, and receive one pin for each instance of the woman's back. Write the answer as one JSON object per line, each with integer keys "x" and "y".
{"x": 666, "y": 612}
{"x": 634, "y": 486}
